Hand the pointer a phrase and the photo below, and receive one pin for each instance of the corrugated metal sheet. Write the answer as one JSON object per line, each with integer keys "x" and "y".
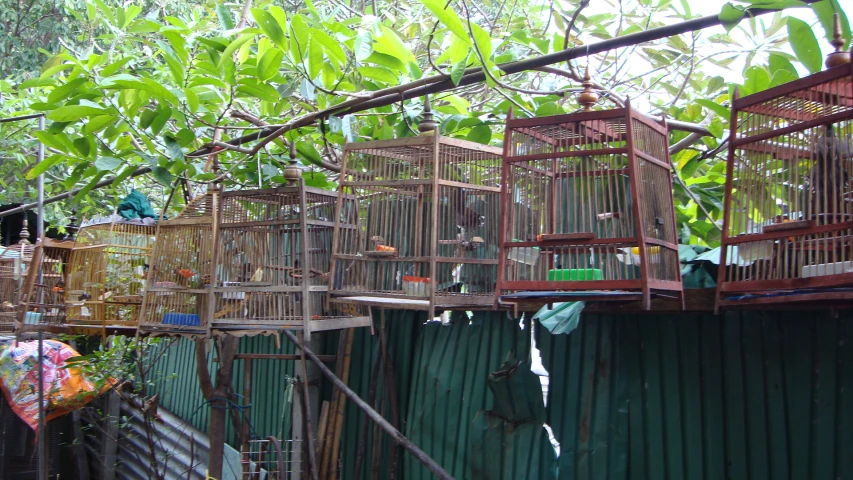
{"x": 182, "y": 450}
{"x": 747, "y": 395}
{"x": 510, "y": 442}
{"x": 175, "y": 379}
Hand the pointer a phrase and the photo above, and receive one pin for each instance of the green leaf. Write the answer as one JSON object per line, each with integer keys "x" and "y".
{"x": 449, "y": 18}
{"x": 44, "y": 165}
{"x": 378, "y": 73}
{"x": 96, "y": 124}
{"x": 363, "y": 45}
{"x": 160, "y": 118}
{"x": 307, "y": 151}
{"x": 330, "y": 46}
{"x": 71, "y": 113}
{"x": 62, "y": 92}
{"x": 192, "y": 100}
{"x": 731, "y": 15}
{"x": 548, "y": 109}
{"x": 458, "y": 71}
{"x": 89, "y": 186}
{"x": 781, "y": 70}
{"x": 715, "y": 84}
{"x": 162, "y": 175}
{"x": 315, "y": 58}
{"x": 82, "y": 145}
{"x": 269, "y": 64}
{"x": 173, "y": 147}
{"x": 107, "y": 164}
{"x": 389, "y": 43}
{"x": 720, "y": 110}
{"x": 224, "y": 15}
{"x": 756, "y": 79}
{"x": 233, "y": 46}
{"x": 804, "y": 44}
{"x": 269, "y": 25}
{"x": 480, "y": 134}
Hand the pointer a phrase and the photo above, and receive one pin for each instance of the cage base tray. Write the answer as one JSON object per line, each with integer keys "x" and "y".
{"x": 788, "y": 296}
{"x": 384, "y": 302}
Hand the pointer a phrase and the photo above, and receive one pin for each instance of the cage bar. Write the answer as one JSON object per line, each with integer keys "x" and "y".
{"x": 788, "y": 227}
{"x": 423, "y": 232}
{"x": 587, "y": 210}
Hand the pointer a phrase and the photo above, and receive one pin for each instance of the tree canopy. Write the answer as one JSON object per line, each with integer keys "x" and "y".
{"x": 136, "y": 84}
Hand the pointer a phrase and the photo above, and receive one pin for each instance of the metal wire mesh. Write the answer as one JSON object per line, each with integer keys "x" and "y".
{"x": 268, "y": 459}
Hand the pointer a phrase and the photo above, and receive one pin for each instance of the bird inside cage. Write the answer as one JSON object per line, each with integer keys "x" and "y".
{"x": 829, "y": 177}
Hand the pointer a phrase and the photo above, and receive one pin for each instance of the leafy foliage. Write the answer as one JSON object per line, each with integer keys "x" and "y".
{"x": 146, "y": 86}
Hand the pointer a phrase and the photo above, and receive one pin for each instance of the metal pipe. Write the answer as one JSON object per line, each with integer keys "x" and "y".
{"x": 442, "y": 83}
{"x": 63, "y": 196}
{"x": 42, "y": 433}
{"x": 22, "y": 117}
{"x": 373, "y": 414}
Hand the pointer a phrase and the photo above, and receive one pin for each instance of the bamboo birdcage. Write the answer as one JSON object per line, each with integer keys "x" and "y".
{"x": 273, "y": 254}
{"x": 14, "y": 263}
{"x": 43, "y": 301}
{"x": 425, "y": 232}
{"x": 178, "y": 282}
{"x": 788, "y": 228}
{"x": 106, "y": 272}
{"x": 588, "y": 209}
{"x": 271, "y": 250}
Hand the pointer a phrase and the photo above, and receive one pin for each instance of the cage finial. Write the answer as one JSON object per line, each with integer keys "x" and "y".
{"x": 25, "y": 232}
{"x": 839, "y": 56}
{"x": 72, "y": 227}
{"x": 427, "y": 123}
{"x": 587, "y": 98}
{"x": 291, "y": 171}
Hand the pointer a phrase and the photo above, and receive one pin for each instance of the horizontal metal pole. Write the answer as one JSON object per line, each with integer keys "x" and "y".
{"x": 281, "y": 356}
{"x": 21, "y": 118}
{"x": 63, "y": 196}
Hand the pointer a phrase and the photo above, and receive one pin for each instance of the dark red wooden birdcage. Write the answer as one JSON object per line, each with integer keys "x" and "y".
{"x": 788, "y": 228}
{"x": 587, "y": 210}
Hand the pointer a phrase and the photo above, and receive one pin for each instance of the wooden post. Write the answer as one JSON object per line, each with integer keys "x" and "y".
{"x": 376, "y": 417}
{"x": 109, "y": 437}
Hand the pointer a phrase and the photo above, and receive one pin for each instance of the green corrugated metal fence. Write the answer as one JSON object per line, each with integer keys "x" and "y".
{"x": 176, "y": 381}
{"x": 748, "y": 395}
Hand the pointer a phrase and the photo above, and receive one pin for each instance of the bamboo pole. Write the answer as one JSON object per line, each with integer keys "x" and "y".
{"x": 373, "y": 414}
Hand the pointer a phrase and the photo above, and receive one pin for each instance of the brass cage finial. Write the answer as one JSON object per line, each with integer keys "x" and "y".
{"x": 839, "y": 56}
{"x": 427, "y": 123}
{"x": 587, "y": 98}
{"x": 291, "y": 171}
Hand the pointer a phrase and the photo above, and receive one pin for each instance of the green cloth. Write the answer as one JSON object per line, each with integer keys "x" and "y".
{"x": 136, "y": 205}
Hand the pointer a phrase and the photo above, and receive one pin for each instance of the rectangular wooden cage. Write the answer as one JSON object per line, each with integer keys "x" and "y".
{"x": 588, "y": 211}
{"x": 43, "y": 299}
{"x": 179, "y": 272}
{"x": 14, "y": 262}
{"x": 788, "y": 228}
{"x": 106, "y": 272}
{"x": 266, "y": 254}
{"x": 417, "y": 224}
